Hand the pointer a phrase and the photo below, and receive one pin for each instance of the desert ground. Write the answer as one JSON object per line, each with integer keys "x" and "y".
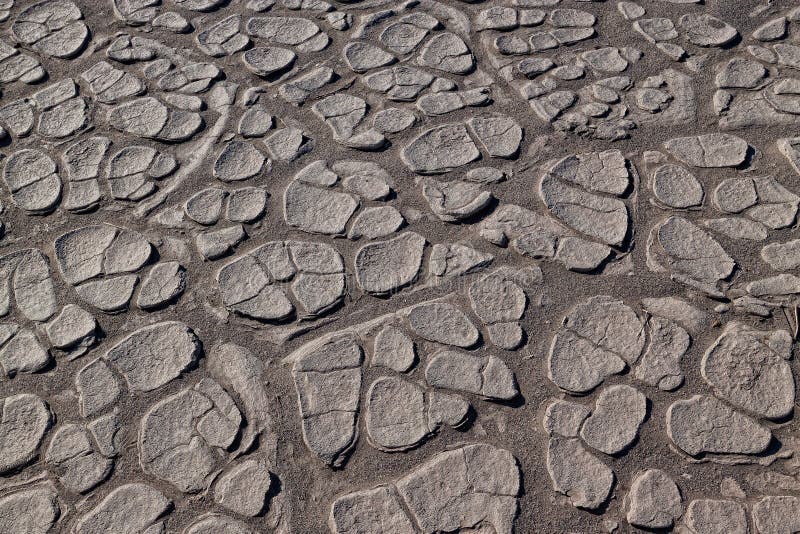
{"x": 380, "y": 267}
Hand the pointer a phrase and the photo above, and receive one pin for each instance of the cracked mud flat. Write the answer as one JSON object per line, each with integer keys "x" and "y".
{"x": 365, "y": 267}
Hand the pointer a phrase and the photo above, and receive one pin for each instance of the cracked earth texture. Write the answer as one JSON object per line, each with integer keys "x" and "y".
{"x": 378, "y": 267}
